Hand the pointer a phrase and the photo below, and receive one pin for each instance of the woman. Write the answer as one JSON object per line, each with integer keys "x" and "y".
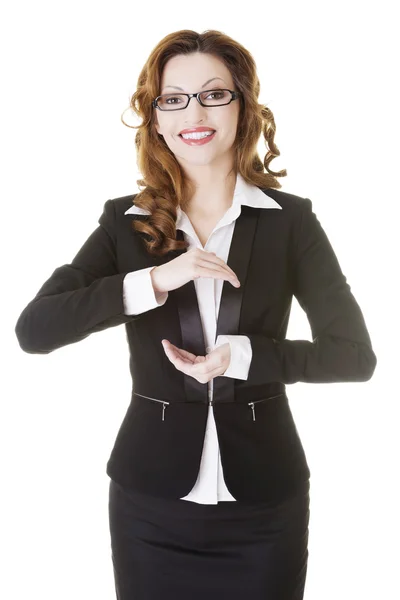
{"x": 209, "y": 489}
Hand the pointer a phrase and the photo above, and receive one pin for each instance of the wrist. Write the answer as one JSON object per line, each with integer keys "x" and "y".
{"x": 153, "y": 276}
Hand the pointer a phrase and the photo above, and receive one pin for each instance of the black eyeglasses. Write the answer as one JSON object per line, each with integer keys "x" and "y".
{"x": 216, "y": 97}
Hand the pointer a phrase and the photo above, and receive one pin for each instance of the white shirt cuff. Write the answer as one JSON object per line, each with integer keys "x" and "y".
{"x": 138, "y": 292}
{"x": 241, "y": 355}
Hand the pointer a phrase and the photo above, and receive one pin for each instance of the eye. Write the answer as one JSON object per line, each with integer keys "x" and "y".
{"x": 218, "y": 94}
{"x": 173, "y": 98}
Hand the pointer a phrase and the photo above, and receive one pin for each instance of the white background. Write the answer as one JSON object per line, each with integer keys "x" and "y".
{"x": 328, "y": 73}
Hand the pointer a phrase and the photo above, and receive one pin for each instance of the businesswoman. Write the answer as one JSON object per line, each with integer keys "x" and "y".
{"x": 209, "y": 483}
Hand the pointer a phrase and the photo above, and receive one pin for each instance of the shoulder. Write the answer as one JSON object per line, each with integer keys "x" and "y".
{"x": 113, "y": 216}
{"x": 115, "y": 210}
{"x": 123, "y": 203}
{"x": 294, "y": 207}
{"x": 286, "y": 200}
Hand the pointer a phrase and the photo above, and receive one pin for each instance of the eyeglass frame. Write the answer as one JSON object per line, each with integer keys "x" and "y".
{"x": 234, "y": 96}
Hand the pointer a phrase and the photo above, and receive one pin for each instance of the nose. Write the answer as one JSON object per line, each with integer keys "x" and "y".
{"x": 194, "y": 110}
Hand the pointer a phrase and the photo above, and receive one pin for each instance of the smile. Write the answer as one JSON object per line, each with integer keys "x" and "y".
{"x": 197, "y": 139}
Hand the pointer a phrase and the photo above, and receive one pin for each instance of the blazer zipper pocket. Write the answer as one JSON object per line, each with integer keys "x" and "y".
{"x": 163, "y": 402}
{"x": 251, "y": 404}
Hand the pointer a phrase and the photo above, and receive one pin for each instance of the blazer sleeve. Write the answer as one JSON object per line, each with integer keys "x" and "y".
{"x": 79, "y": 298}
{"x": 341, "y": 348}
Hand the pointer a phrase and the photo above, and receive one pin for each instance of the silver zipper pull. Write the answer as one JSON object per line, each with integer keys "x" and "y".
{"x": 163, "y": 411}
{"x": 251, "y": 404}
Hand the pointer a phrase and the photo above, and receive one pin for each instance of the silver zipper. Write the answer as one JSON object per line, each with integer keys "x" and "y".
{"x": 251, "y": 404}
{"x": 163, "y": 402}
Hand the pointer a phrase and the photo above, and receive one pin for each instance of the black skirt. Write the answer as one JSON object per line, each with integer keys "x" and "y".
{"x": 164, "y": 549}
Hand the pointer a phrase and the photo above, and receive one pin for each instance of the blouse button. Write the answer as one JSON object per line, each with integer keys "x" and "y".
{"x": 208, "y": 349}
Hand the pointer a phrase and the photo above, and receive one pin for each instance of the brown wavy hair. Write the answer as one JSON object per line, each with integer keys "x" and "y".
{"x": 164, "y": 181}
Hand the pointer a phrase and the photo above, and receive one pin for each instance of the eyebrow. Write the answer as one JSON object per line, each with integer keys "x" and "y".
{"x": 203, "y": 86}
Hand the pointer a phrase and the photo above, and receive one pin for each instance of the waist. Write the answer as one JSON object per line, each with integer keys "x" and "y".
{"x": 252, "y": 403}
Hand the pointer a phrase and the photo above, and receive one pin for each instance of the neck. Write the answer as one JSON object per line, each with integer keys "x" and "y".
{"x": 212, "y": 192}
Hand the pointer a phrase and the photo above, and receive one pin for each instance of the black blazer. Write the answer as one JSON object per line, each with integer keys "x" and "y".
{"x": 275, "y": 254}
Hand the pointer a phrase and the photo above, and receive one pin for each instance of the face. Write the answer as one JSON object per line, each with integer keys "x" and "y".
{"x": 192, "y": 73}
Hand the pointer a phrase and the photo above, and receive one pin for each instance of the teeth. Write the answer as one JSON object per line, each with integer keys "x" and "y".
{"x": 196, "y": 135}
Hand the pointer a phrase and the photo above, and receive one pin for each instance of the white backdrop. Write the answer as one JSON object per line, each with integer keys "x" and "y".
{"x": 327, "y": 72}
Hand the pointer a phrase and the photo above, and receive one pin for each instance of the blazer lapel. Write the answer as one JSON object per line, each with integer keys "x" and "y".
{"x": 229, "y": 311}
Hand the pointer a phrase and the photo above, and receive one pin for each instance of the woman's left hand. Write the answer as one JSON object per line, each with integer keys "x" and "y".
{"x": 202, "y": 368}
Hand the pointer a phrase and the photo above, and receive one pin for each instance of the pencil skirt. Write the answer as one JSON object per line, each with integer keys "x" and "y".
{"x": 163, "y": 549}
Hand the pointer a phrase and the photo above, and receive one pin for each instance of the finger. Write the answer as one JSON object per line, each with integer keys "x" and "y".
{"x": 186, "y": 355}
{"x": 178, "y": 352}
{"x": 206, "y": 369}
{"x": 212, "y": 258}
{"x": 183, "y": 363}
{"x": 211, "y": 267}
{"x": 191, "y": 369}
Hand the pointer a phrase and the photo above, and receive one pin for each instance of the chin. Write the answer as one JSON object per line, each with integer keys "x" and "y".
{"x": 200, "y": 161}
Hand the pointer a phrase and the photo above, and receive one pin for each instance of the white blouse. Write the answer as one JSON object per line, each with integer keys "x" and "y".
{"x": 139, "y": 296}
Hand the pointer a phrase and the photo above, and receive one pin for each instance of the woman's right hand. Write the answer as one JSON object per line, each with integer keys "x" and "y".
{"x": 190, "y": 265}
